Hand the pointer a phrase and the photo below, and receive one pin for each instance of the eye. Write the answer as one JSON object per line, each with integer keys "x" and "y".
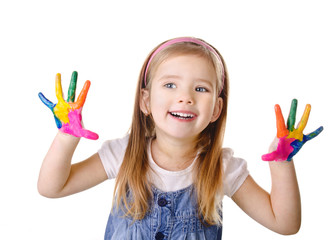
{"x": 170, "y": 85}
{"x": 201, "y": 89}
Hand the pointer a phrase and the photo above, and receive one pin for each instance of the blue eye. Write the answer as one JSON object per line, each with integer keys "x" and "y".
{"x": 201, "y": 89}
{"x": 170, "y": 85}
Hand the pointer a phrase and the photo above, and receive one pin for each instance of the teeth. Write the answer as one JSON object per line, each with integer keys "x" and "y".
{"x": 182, "y": 115}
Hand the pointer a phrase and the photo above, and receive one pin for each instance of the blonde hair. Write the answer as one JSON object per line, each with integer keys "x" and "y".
{"x": 133, "y": 189}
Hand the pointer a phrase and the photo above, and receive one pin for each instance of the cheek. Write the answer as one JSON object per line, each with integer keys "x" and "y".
{"x": 210, "y": 110}
{"x": 158, "y": 103}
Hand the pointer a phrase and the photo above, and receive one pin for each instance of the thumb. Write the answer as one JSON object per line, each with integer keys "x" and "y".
{"x": 89, "y": 135}
{"x": 269, "y": 156}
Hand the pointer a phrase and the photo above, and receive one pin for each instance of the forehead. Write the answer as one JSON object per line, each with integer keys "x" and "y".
{"x": 191, "y": 67}
{"x": 178, "y": 63}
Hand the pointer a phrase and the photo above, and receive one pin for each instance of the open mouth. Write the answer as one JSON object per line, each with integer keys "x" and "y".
{"x": 182, "y": 116}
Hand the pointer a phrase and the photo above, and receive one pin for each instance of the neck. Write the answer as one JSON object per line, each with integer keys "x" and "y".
{"x": 173, "y": 154}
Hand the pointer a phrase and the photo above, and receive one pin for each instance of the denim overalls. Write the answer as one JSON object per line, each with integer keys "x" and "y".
{"x": 172, "y": 215}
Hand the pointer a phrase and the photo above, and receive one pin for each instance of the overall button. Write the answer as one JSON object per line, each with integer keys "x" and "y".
{"x": 159, "y": 236}
{"x": 162, "y": 202}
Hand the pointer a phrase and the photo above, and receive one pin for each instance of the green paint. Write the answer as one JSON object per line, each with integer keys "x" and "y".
{"x": 292, "y": 115}
{"x": 72, "y": 87}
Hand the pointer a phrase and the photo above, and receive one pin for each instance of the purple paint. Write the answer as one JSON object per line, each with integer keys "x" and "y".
{"x": 282, "y": 152}
{"x": 75, "y": 128}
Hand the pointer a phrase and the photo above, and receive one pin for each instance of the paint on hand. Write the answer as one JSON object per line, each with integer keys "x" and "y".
{"x": 291, "y": 139}
{"x": 67, "y": 114}
{"x": 74, "y": 127}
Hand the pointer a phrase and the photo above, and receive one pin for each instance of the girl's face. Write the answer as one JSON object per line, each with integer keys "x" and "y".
{"x": 183, "y": 98}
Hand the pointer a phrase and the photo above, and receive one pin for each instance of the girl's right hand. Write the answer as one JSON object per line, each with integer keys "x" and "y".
{"x": 67, "y": 114}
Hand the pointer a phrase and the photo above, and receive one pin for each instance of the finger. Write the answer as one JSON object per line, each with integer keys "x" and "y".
{"x": 72, "y": 87}
{"x": 314, "y": 134}
{"x": 59, "y": 91}
{"x": 304, "y": 119}
{"x": 270, "y": 156}
{"x": 78, "y": 131}
{"x": 46, "y": 101}
{"x": 292, "y": 115}
{"x": 82, "y": 96}
{"x": 75, "y": 127}
{"x": 89, "y": 135}
{"x": 280, "y": 122}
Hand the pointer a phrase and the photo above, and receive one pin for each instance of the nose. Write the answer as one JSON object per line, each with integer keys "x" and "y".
{"x": 186, "y": 97}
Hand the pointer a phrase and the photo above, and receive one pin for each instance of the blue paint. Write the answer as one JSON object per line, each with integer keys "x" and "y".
{"x": 297, "y": 144}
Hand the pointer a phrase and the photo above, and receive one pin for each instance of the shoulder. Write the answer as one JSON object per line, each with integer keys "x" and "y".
{"x": 235, "y": 171}
{"x": 115, "y": 145}
{"x": 112, "y": 153}
{"x": 230, "y": 161}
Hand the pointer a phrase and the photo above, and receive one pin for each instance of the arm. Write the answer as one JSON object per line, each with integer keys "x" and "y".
{"x": 59, "y": 178}
{"x": 280, "y": 211}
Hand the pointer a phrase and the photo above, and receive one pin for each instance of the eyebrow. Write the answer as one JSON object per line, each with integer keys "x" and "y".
{"x": 204, "y": 80}
{"x": 169, "y": 76}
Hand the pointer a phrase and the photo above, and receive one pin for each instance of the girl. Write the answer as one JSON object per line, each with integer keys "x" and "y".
{"x": 171, "y": 171}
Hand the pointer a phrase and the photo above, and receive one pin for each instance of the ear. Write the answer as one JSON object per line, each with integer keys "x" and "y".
{"x": 144, "y": 102}
{"x": 217, "y": 109}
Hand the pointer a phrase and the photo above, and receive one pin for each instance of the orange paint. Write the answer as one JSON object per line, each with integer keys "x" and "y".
{"x": 282, "y": 130}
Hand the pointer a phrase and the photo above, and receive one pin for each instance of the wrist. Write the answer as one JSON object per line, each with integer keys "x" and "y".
{"x": 67, "y": 138}
{"x": 280, "y": 170}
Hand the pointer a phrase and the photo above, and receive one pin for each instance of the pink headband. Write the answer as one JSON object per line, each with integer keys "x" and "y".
{"x": 178, "y": 40}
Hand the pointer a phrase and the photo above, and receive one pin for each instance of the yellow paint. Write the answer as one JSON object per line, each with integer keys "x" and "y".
{"x": 295, "y": 134}
{"x": 304, "y": 118}
{"x": 298, "y": 133}
{"x": 61, "y": 111}
{"x": 62, "y": 108}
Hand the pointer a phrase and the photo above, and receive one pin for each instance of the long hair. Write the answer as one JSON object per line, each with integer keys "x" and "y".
{"x": 132, "y": 179}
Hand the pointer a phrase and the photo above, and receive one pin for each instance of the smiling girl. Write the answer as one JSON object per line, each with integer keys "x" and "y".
{"x": 171, "y": 170}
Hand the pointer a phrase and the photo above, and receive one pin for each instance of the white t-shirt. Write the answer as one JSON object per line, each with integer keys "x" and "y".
{"x": 112, "y": 154}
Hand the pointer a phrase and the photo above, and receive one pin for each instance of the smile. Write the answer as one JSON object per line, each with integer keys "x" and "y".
{"x": 182, "y": 115}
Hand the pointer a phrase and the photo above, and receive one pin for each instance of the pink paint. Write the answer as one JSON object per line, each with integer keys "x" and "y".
{"x": 283, "y": 150}
{"x": 75, "y": 128}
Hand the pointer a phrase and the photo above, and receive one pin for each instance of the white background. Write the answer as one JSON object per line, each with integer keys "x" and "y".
{"x": 274, "y": 50}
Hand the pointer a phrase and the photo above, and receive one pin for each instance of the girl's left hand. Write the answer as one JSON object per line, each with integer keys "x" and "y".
{"x": 290, "y": 140}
